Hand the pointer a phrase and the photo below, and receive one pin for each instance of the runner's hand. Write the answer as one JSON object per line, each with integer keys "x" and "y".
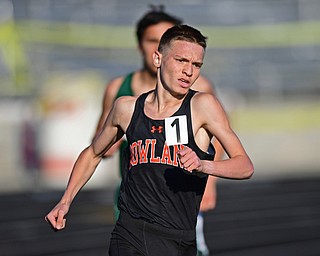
{"x": 56, "y": 218}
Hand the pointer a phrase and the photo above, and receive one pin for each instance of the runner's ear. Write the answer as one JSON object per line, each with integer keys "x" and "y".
{"x": 156, "y": 59}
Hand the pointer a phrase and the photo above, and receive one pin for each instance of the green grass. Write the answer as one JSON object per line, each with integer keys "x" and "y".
{"x": 106, "y": 36}
{"x": 281, "y": 119}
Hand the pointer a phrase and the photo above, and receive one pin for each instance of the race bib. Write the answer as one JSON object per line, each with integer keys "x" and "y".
{"x": 176, "y": 130}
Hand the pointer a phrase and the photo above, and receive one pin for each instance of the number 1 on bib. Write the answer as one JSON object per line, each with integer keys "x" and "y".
{"x": 176, "y": 130}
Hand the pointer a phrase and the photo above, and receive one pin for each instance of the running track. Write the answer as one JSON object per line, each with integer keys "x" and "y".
{"x": 252, "y": 218}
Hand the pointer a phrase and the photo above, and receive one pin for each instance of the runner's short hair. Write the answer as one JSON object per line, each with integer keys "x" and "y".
{"x": 183, "y": 33}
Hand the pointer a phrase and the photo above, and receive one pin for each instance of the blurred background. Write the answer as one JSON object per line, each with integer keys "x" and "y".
{"x": 56, "y": 57}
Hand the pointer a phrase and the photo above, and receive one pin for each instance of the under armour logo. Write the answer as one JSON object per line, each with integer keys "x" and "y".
{"x": 159, "y": 129}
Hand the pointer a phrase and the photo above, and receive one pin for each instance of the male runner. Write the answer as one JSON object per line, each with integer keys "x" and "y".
{"x": 149, "y": 30}
{"x": 169, "y": 163}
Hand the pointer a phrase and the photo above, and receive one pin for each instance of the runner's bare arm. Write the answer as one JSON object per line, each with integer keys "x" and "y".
{"x": 88, "y": 160}
{"x": 108, "y": 99}
{"x": 215, "y": 121}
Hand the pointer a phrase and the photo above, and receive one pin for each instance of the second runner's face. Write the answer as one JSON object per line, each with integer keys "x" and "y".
{"x": 149, "y": 44}
{"x": 180, "y": 65}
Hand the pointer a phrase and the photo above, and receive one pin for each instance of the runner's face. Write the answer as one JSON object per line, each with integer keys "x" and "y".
{"x": 149, "y": 44}
{"x": 180, "y": 65}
